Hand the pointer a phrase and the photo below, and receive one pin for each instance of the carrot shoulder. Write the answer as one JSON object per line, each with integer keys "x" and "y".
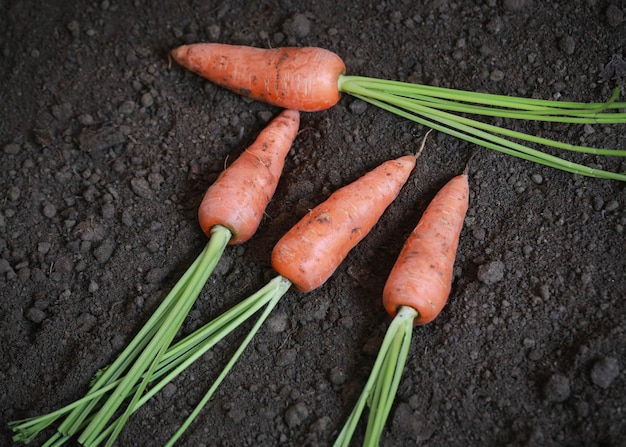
{"x": 422, "y": 275}
{"x": 303, "y": 78}
{"x": 238, "y": 198}
{"x": 312, "y": 250}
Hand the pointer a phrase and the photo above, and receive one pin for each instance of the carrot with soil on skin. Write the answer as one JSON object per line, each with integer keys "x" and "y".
{"x": 230, "y": 213}
{"x": 312, "y": 79}
{"x": 238, "y": 198}
{"x": 297, "y": 78}
{"x": 415, "y": 293}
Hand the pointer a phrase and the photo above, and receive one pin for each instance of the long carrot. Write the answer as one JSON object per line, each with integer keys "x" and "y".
{"x": 415, "y": 293}
{"x": 230, "y": 213}
{"x": 303, "y": 79}
{"x": 312, "y": 79}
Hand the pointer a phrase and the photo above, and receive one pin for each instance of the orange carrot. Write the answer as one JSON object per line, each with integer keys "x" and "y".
{"x": 311, "y": 251}
{"x": 416, "y": 291}
{"x": 305, "y": 78}
{"x": 238, "y": 198}
{"x": 422, "y": 275}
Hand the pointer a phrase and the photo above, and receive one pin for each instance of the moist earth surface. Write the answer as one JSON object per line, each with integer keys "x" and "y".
{"x": 107, "y": 148}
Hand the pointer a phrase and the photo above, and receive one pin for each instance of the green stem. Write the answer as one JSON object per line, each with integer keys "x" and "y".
{"x": 429, "y": 106}
{"x": 151, "y": 355}
{"x": 381, "y": 387}
{"x": 272, "y": 298}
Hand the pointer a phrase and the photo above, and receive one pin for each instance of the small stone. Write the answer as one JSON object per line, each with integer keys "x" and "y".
{"x": 141, "y": 187}
{"x": 44, "y": 247}
{"x": 127, "y": 107}
{"x": 213, "y": 31}
{"x": 35, "y": 315}
{"x": 537, "y": 178}
{"x": 104, "y": 251}
{"x": 277, "y": 322}
{"x": 286, "y": 357}
{"x": 14, "y": 193}
{"x": 62, "y": 112}
{"x": 412, "y": 424}
{"x": 604, "y": 371}
{"x": 297, "y": 25}
{"x": 147, "y": 100}
{"x": 557, "y": 388}
{"x": 12, "y": 148}
{"x": 491, "y": 273}
{"x": 358, "y": 106}
{"x": 567, "y": 44}
{"x": 336, "y": 376}
{"x": 496, "y": 75}
{"x": 296, "y": 414}
{"x": 614, "y": 15}
{"x": 611, "y": 205}
{"x": 49, "y": 210}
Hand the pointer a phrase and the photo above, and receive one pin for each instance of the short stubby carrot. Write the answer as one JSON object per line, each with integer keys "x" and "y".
{"x": 416, "y": 291}
{"x": 238, "y": 198}
{"x": 312, "y": 250}
{"x": 422, "y": 275}
{"x": 302, "y": 78}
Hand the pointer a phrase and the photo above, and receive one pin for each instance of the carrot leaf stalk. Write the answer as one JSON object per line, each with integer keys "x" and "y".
{"x": 380, "y": 390}
{"x": 437, "y": 108}
{"x": 145, "y": 350}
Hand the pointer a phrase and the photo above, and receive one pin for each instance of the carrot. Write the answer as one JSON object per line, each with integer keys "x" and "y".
{"x": 294, "y": 78}
{"x": 230, "y": 213}
{"x": 238, "y": 198}
{"x": 311, "y": 251}
{"x": 312, "y": 79}
{"x": 415, "y": 293}
{"x": 422, "y": 275}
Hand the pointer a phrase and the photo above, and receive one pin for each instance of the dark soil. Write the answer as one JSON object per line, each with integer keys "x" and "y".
{"x": 106, "y": 151}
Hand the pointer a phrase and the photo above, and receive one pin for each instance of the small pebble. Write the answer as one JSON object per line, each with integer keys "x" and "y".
{"x": 296, "y": 414}
{"x": 49, "y": 210}
{"x": 611, "y": 205}
{"x": 13, "y": 193}
{"x": 496, "y": 75}
{"x": 12, "y": 149}
{"x": 537, "y": 178}
{"x": 336, "y": 376}
{"x": 277, "y": 322}
{"x": 557, "y": 388}
{"x": 297, "y": 25}
{"x": 147, "y": 100}
{"x": 141, "y": 187}
{"x": 104, "y": 251}
{"x": 358, "y": 106}
{"x": 614, "y": 15}
{"x": 491, "y": 273}
{"x": 44, "y": 247}
{"x": 35, "y": 315}
{"x": 286, "y": 357}
{"x": 567, "y": 44}
{"x": 127, "y": 107}
{"x": 604, "y": 371}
